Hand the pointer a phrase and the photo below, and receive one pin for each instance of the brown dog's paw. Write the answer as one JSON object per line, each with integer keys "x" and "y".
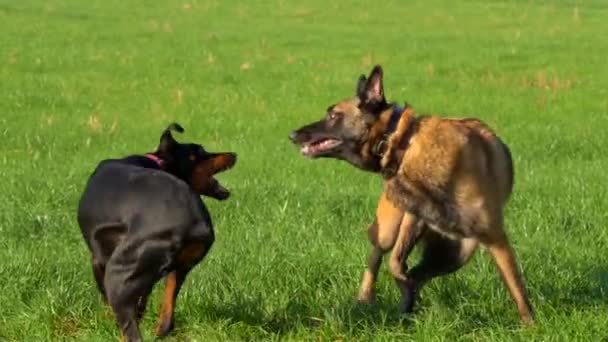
{"x": 528, "y": 320}
{"x": 366, "y": 297}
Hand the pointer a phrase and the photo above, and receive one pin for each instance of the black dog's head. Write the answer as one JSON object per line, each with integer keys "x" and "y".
{"x": 345, "y": 130}
{"x": 193, "y": 164}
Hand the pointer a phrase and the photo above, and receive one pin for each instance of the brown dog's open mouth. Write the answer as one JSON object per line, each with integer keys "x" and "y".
{"x": 319, "y": 147}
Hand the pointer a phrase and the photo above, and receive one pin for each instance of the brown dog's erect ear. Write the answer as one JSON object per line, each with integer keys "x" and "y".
{"x": 374, "y": 89}
{"x": 167, "y": 142}
{"x": 361, "y": 83}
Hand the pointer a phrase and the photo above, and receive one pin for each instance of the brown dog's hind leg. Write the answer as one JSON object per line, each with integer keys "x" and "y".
{"x": 506, "y": 262}
{"x": 440, "y": 256}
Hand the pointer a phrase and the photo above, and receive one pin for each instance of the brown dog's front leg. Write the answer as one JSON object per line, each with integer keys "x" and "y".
{"x": 409, "y": 231}
{"x": 382, "y": 234}
{"x": 367, "y": 294}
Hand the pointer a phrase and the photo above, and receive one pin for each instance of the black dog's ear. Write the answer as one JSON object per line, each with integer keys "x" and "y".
{"x": 175, "y": 127}
{"x": 374, "y": 88}
{"x": 167, "y": 142}
{"x": 361, "y": 86}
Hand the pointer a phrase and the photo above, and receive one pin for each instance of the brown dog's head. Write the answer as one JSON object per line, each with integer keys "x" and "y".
{"x": 346, "y": 131}
{"x": 193, "y": 164}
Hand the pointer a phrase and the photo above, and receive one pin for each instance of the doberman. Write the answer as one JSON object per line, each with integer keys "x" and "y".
{"x": 142, "y": 218}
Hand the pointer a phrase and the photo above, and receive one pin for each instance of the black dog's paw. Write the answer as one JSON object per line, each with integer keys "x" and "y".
{"x": 164, "y": 328}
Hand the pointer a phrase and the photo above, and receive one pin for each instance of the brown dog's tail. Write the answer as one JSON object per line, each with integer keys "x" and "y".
{"x": 510, "y": 169}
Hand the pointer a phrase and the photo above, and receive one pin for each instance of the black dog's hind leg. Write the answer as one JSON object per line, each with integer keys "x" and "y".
{"x": 131, "y": 273}
{"x": 103, "y": 243}
{"x": 142, "y": 302}
{"x": 99, "y": 271}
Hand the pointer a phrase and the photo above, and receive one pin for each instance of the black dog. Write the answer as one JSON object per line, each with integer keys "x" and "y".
{"x": 142, "y": 219}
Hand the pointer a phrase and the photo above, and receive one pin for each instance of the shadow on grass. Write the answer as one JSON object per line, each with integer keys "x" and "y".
{"x": 296, "y": 315}
{"x": 589, "y": 290}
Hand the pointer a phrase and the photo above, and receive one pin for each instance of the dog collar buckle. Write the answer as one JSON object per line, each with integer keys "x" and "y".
{"x": 380, "y": 146}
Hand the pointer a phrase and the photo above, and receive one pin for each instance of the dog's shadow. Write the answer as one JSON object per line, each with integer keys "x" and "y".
{"x": 299, "y": 313}
{"x": 589, "y": 287}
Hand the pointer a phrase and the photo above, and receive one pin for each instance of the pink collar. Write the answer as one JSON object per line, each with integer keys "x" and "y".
{"x": 156, "y": 159}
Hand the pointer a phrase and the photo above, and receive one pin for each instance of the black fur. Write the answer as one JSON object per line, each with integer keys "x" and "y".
{"x": 136, "y": 217}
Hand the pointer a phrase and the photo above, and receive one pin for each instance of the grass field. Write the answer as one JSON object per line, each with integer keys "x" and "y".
{"x": 85, "y": 80}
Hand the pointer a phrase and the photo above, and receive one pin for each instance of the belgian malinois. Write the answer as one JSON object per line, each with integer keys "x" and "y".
{"x": 446, "y": 182}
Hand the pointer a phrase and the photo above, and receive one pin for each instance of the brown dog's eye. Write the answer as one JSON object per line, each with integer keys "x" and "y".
{"x": 332, "y": 115}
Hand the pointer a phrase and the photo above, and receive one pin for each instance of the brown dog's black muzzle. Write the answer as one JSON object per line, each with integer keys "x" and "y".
{"x": 300, "y": 136}
{"x": 293, "y": 136}
{"x": 308, "y": 133}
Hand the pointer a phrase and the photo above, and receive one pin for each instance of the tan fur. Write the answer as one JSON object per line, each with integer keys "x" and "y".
{"x": 168, "y": 304}
{"x": 395, "y": 139}
{"x": 388, "y": 227}
{"x": 454, "y": 177}
{"x": 446, "y": 182}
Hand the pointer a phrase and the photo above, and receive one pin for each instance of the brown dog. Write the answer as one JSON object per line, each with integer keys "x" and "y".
{"x": 446, "y": 183}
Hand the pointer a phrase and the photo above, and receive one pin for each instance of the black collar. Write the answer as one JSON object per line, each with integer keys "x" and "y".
{"x": 380, "y": 147}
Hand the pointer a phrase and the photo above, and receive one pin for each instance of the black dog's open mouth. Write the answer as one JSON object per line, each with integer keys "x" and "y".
{"x": 217, "y": 190}
{"x": 319, "y": 147}
{"x": 203, "y": 179}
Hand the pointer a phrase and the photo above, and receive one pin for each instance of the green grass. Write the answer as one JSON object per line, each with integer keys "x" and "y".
{"x": 85, "y": 80}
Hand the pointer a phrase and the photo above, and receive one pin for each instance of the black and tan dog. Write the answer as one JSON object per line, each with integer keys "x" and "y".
{"x": 446, "y": 183}
{"x": 142, "y": 219}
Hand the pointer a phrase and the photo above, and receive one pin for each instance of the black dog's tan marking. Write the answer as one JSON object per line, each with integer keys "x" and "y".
{"x": 446, "y": 183}
{"x": 142, "y": 218}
